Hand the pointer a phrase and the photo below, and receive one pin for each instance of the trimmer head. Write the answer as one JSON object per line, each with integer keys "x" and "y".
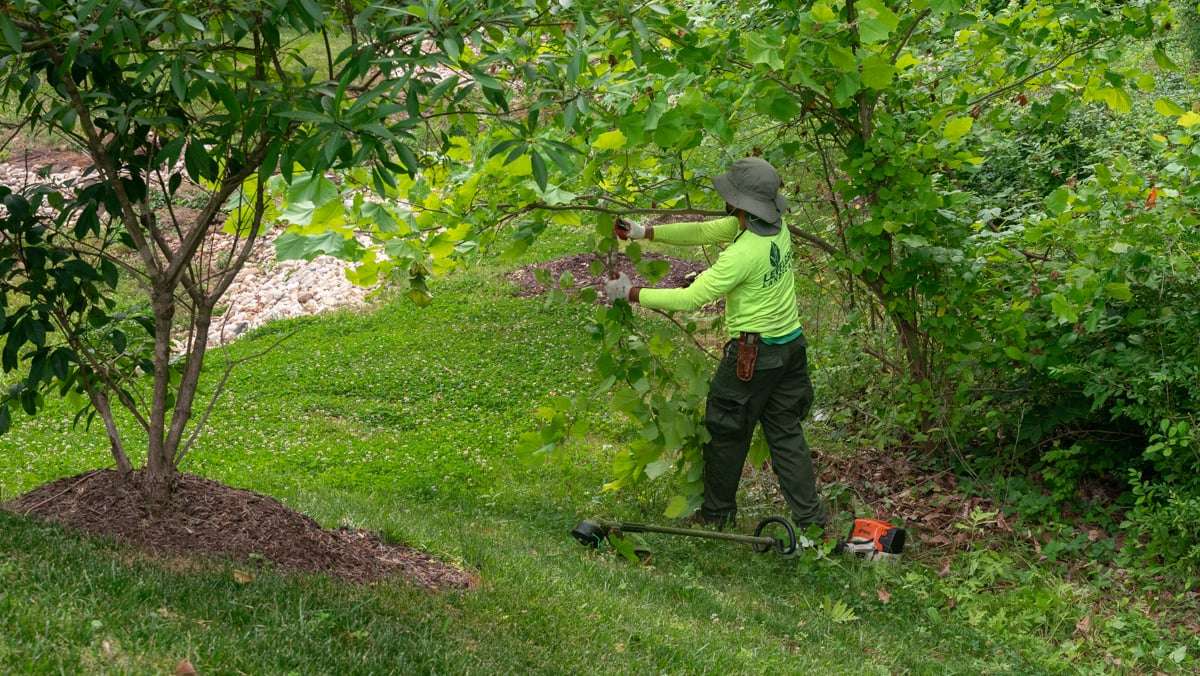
{"x": 590, "y": 533}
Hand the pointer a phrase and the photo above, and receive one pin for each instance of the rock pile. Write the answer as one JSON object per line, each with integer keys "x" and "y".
{"x": 264, "y": 290}
{"x": 267, "y": 289}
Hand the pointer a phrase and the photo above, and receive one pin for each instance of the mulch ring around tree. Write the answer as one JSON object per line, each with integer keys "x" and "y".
{"x": 207, "y": 518}
{"x": 579, "y": 265}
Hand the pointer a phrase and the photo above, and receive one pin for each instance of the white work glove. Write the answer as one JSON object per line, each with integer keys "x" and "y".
{"x": 618, "y": 288}
{"x": 624, "y": 229}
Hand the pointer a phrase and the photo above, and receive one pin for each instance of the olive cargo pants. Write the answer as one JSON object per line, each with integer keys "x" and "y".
{"x": 779, "y": 396}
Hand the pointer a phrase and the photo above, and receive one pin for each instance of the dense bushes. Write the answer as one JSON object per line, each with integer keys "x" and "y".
{"x": 1076, "y": 339}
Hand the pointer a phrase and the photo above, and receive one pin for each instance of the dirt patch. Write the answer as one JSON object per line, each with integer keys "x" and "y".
{"x": 929, "y": 504}
{"x": 23, "y": 165}
{"x": 207, "y": 518}
{"x": 56, "y": 160}
{"x": 579, "y": 265}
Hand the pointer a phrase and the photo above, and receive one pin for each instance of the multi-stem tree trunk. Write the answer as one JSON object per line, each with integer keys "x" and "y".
{"x": 160, "y": 469}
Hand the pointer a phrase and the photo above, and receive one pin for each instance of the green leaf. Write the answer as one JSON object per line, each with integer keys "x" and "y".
{"x": 1189, "y": 119}
{"x": 906, "y": 60}
{"x": 658, "y": 468}
{"x": 609, "y": 140}
{"x": 312, "y": 188}
{"x": 654, "y": 270}
{"x": 1119, "y": 291}
{"x": 956, "y": 128}
{"x": 178, "y": 86}
{"x": 759, "y": 50}
{"x": 678, "y": 507}
{"x": 450, "y": 44}
{"x": 838, "y": 612}
{"x": 822, "y": 12}
{"x": 539, "y": 169}
{"x": 193, "y": 22}
{"x": 382, "y": 220}
{"x": 843, "y": 59}
{"x": 1179, "y": 654}
{"x": 877, "y": 73}
{"x": 623, "y": 547}
{"x": 407, "y": 158}
{"x": 846, "y": 88}
{"x": 303, "y": 116}
{"x": 198, "y": 163}
{"x": 875, "y": 21}
{"x": 1056, "y": 202}
{"x": 313, "y": 9}
{"x": 1064, "y": 309}
{"x": 1164, "y": 62}
{"x": 13, "y": 38}
{"x": 1168, "y": 107}
{"x": 1115, "y": 98}
{"x": 293, "y": 246}
{"x": 778, "y": 103}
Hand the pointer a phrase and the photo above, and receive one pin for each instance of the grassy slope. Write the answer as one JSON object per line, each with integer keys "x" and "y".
{"x": 403, "y": 421}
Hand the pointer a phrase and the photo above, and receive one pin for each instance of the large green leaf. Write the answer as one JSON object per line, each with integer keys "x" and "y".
{"x": 609, "y": 140}
{"x": 956, "y": 128}
{"x": 11, "y": 36}
{"x": 875, "y": 21}
{"x": 293, "y": 246}
{"x": 1056, "y": 202}
{"x": 842, "y": 58}
{"x": 877, "y": 73}
{"x": 763, "y": 49}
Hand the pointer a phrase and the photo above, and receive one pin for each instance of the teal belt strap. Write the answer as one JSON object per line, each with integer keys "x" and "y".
{"x": 783, "y": 340}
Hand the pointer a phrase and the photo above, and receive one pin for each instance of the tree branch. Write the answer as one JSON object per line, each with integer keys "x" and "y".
{"x": 1041, "y": 71}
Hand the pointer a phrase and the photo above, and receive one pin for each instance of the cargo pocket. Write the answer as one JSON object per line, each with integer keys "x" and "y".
{"x": 726, "y": 412}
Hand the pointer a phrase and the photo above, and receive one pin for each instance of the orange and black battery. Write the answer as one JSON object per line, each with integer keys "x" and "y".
{"x": 886, "y": 537}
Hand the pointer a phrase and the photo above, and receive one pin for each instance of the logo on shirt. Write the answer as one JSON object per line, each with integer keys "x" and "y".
{"x": 778, "y": 267}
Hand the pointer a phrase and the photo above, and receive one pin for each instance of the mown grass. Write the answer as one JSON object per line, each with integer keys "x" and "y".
{"x": 403, "y": 421}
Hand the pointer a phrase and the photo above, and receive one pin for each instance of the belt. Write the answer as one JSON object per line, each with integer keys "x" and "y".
{"x": 773, "y": 340}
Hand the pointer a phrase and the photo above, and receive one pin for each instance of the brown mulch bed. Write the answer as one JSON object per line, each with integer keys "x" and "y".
{"x": 203, "y": 517}
{"x": 579, "y": 265}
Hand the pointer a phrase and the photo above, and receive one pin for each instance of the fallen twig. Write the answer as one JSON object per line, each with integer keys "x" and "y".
{"x": 68, "y": 489}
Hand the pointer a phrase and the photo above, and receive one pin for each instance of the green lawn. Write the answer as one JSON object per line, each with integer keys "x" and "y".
{"x": 403, "y": 421}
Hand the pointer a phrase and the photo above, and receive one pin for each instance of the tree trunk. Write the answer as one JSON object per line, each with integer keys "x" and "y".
{"x": 188, "y": 383}
{"x": 100, "y": 401}
{"x": 160, "y": 470}
{"x": 914, "y": 350}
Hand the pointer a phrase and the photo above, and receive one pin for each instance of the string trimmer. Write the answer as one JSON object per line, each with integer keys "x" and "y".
{"x": 593, "y": 532}
{"x": 870, "y": 539}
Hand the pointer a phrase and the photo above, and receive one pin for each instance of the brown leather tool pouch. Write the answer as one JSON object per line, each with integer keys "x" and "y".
{"x": 747, "y": 356}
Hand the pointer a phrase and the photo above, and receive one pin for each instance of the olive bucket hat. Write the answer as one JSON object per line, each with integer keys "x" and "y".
{"x": 752, "y": 185}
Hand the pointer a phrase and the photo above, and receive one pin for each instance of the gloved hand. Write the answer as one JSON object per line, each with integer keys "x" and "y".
{"x": 618, "y": 288}
{"x": 624, "y": 229}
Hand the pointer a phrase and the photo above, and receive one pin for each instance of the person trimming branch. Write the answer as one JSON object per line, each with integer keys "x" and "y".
{"x": 763, "y": 376}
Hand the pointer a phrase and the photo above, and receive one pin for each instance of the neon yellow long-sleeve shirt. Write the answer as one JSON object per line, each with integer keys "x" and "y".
{"x": 754, "y": 273}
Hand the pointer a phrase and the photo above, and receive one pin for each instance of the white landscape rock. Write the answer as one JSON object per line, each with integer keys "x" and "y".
{"x": 265, "y": 289}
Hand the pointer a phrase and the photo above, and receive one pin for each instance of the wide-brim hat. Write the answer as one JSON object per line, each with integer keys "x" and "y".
{"x": 752, "y": 185}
